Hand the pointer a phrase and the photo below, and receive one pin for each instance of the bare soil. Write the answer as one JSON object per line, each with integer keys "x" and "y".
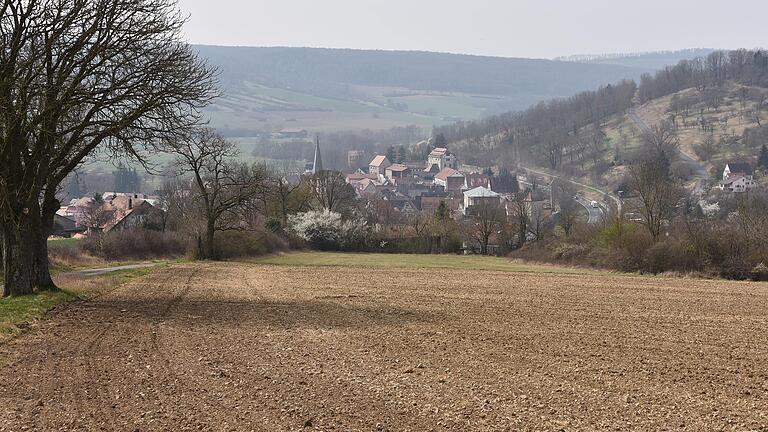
{"x": 236, "y": 347}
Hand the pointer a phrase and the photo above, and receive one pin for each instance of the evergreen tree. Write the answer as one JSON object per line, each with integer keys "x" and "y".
{"x": 126, "y": 179}
{"x": 391, "y": 154}
{"x": 401, "y": 154}
{"x": 442, "y": 212}
{"x": 440, "y": 140}
{"x": 74, "y": 190}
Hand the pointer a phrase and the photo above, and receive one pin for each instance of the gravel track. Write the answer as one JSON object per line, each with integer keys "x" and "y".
{"x": 271, "y": 348}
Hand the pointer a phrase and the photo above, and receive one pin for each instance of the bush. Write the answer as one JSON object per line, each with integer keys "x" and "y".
{"x": 670, "y": 256}
{"x": 760, "y": 273}
{"x": 71, "y": 255}
{"x": 327, "y": 231}
{"x": 135, "y": 244}
{"x": 240, "y": 244}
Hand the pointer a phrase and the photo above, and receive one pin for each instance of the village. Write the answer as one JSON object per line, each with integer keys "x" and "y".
{"x": 482, "y": 201}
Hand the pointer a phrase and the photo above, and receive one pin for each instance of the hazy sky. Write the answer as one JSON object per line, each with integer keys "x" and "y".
{"x": 510, "y": 28}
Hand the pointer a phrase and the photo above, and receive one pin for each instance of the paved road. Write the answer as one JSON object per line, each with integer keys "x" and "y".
{"x": 101, "y": 271}
{"x": 700, "y": 170}
{"x": 575, "y": 183}
{"x": 595, "y": 213}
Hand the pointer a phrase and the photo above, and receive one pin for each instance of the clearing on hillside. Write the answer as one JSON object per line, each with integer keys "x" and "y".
{"x": 415, "y": 344}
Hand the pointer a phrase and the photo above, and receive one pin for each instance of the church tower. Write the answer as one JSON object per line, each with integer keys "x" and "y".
{"x": 317, "y": 166}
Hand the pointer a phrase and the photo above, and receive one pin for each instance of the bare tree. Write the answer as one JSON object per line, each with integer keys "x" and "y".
{"x": 96, "y": 216}
{"x": 657, "y": 193}
{"x": 331, "y": 191}
{"x": 288, "y": 195}
{"x": 537, "y": 222}
{"x": 223, "y": 188}
{"x": 420, "y": 223}
{"x": 487, "y": 218}
{"x": 77, "y": 76}
{"x": 564, "y": 194}
{"x": 519, "y": 214}
{"x": 662, "y": 138}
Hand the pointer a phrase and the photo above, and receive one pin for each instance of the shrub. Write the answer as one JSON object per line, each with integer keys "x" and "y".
{"x": 240, "y": 244}
{"x": 135, "y": 243}
{"x": 71, "y": 255}
{"x": 670, "y": 256}
{"x": 760, "y": 273}
{"x": 325, "y": 230}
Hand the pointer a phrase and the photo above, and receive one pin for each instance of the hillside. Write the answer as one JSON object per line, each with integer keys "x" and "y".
{"x": 717, "y": 107}
{"x": 269, "y": 89}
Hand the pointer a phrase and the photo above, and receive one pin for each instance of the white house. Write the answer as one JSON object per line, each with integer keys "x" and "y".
{"x": 441, "y": 158}
{"x": 480, "y": 195}
{"x": 738, "y": 184}
{"x": 737, "y": 177}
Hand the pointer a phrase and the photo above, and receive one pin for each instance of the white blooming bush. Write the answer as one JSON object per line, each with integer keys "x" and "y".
{"x": 327, "y": 230}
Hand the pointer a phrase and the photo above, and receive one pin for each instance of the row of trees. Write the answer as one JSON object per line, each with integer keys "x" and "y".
{"x": 744, "y": 66}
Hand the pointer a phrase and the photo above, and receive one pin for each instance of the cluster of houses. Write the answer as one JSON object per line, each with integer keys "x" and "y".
{"x": 420, "y": 186}
{"x": 110, "y": 211}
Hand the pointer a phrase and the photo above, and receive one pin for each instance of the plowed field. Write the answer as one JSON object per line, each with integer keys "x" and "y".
{"x": 240, "y": 347}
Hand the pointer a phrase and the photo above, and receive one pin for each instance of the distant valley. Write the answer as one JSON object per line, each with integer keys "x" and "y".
{"x": 325, "y": 90}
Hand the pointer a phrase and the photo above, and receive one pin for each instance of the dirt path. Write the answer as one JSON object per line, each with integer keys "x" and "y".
{"x": 272, "y": 348}
{"x": 105, "y": 270}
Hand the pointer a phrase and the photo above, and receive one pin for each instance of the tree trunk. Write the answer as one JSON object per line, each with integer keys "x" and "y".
{"x": 18, "y": 258}
{"x": 209, "y": 248}
{"x": 44, "y": 228}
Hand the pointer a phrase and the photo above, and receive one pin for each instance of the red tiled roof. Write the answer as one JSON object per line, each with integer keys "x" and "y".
{"x": 445, "y": 173}
{"x": 378, "y": 160}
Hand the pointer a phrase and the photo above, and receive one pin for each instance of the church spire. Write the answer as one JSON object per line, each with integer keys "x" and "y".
{"x": 317, "y": 166}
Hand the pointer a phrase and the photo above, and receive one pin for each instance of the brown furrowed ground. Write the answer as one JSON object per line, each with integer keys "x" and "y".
{"x": 286, "y": 348}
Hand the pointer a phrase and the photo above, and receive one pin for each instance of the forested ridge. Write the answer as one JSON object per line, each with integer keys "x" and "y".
{"x": 330, "y": 72}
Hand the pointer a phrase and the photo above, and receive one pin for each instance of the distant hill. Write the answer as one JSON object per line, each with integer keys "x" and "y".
{"x": 339, "y": 89}
{"x": 717, "y": 108}
{"x": 647, "y": 60}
